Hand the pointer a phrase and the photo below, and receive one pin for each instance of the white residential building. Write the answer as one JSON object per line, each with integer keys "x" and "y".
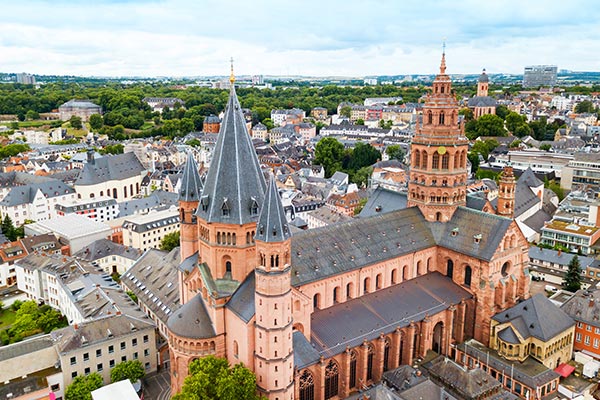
{"x": 146, "y": 231}
{"x": 98, "y": 209}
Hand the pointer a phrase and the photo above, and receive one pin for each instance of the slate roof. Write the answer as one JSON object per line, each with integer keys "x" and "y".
{"x": 103, "y": 248}
{"x": 530, "y": 372}
{"x": 482, "y": 101}
{"x": 553, "y": 256}
{"x": 191, "y": 320}
{"x": 528, "y": 178}
{"x": 382, "y": 201}
{"x": 235, "y": 180}
{"x": 44, "y": 242}
{"x": 189, "y": 263}
{"x": 153, "y": 279}
{"x": 25, "y": 347}
{"x": 508, "y": 335}
{"x": 426, "y": 390}
{"x": 76, "y": 103}
{"x": 346, "y": 246}
{"x": 304, "y": 352}
{"x": 584, "y": 306}
{"x": 191, "y": 184}
{"x": 94, "y": 332}
{"x": 157, "y": 199}
{"x": 483, "y": 77}
{"x": 272, "y": 224}
{"x": 538, "y": 317}
{"x": 107, "y": 168}
{"x": 459, "y": 234}
{"x": 403, "y": 377}
{"x": 242, "y": 300}
{"x": 25, "y": 194}
{"x": 335, "y": 328}
{"x": 525, "y": 199}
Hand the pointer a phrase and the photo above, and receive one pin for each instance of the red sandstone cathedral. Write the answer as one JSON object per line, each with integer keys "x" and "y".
{"x": 323, "y": 313}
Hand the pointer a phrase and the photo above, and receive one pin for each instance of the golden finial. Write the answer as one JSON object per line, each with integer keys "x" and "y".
{"x": 232, "y": 76}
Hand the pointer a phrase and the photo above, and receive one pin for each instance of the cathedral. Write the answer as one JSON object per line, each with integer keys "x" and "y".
{"x": 320, "y": 314}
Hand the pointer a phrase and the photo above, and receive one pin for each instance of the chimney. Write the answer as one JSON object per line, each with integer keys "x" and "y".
{"x": 90, "y": 156}
{"x": 559, "y": 252}
{"x": 75, "y": 326}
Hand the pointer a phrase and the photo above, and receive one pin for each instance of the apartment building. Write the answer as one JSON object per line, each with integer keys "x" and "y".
{"x": 146, "y": 231}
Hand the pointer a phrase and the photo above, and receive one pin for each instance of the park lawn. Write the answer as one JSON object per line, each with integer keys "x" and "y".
{"x": 7, "y": 317}
{"x": 76, "y": 132}
{"x": 33, "y": 124}
{"x": 147, "y": 125}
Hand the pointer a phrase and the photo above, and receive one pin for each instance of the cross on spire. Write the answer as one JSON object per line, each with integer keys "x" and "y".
{"x": 231, "y": 76}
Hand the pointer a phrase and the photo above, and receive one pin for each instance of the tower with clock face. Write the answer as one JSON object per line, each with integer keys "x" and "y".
{"x": 438, "y": 171}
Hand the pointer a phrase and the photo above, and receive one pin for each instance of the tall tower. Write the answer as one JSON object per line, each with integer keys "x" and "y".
{"x": 189, "y": 196}
{"x": 483, "y": 84}
{"x": 438, "y": 172}
{"x": 273, "y": 357}
{"x": 229, "y": 206}
{"x": 506, "y": 193}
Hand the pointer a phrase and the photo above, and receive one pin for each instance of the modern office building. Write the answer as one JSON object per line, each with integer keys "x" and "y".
{"x": 539, "y": 75}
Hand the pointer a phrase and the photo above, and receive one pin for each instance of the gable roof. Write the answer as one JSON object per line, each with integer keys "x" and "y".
{"x": 242, "y": 300}
{"x": 107, "y": 168}
{"x": 474, "y": 233}
{"x": 234, "y": 178}
{"x": 25, "y": 194}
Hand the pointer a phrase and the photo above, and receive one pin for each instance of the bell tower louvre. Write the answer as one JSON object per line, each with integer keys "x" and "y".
{"x": 438, "y": 171}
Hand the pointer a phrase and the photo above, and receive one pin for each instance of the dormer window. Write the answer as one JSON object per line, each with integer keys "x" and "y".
{"x": 477, "y": 238}
{"x": 253, "y": 206}
{"x": 204, "y": 202}
{"x": 225, "y": 208}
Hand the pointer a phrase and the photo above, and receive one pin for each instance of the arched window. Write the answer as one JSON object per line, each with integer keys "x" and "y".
{"x": 463, "y": 157}
{"x": 101, "y": 193}
{"x": 336, "y": 294}
{"x": 450, "y": 269}
{"x": 317, "y": 300}
{"x": 378, "y": 281}
{"x": 331, "y": 380}
{"x": 366, "y": 284}
{"x": 417, "y": 158}
{"x": 114, "y": 193}
{"x": 442, "y": 120}
{"x": 125, "y": 192}
{"x": 505, "y": 268}
{"x": 445, "y": 161}
{"x": 353, "y": 358}
{"x": 370, "y": 356}
{"x": 131, "y": 189}
{"x": 386, "y": 355}
{"x": 468, "y": 273}
{"x": 438, "y": 216}
{"x": 307, "y": 386}
{"x": 429, "y": 264}
{"x": 419, "y": 271}
{"x": 228, "y": 267}
{"x": 456, "y": 161}
{"x": 435, "y": 161}
{"x": 236, "y": 350}
{"x": 405, "y": 273}
{"x": 429, "y": 117}
{"x": 349, "y": 288}
{"x": 394, "y": 276}
{"x": 92, "y": 195}
{"x": 423, "y": 160}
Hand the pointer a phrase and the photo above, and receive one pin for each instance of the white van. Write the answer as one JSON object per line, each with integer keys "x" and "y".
{"x": 550, "y": 288}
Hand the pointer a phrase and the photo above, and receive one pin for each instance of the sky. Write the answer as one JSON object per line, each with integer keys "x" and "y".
{"x": 306, "y": 37}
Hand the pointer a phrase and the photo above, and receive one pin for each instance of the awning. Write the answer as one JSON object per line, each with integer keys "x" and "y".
{"x": 564, "y": 370}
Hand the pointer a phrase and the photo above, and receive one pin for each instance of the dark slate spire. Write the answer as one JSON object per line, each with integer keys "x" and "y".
{"x": 234, "y": 188}
{"x": 272, "y": 225}
{"x": 191, "y": 184}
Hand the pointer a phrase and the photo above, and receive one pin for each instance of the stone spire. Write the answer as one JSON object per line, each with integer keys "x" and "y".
{"x": 191, "y": 184}
{"x": 272, "y": 225}
{"x": 443, "y": 63}
{"x": 234, "y": 188}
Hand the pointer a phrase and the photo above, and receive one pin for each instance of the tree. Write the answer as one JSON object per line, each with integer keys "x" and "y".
{"x": 513, "y": 121}
{"x": 170, "y": 241}
{"x": 502, "y": 111}
{"x": 96, "y": 121}
{"x": 362, "y": 175}
{"x": 132, "y": 370}
{"x": 395, "y": 152}
{"x": 75, "y": 122}
{"x": 329, "y": 153}
{"x": 585, "y": 106}
{"x": 31, "y": 114}
{"x": 555, "y": 187}
{"x": 346, "y": 111}
{"x": 193, "y": 143}
{"x": 359, "y": 121}
{"x": 113, "y": 149}
{"x": 545, "y": 147}
{"x": 572, "y": 279}
{"x": 363, "y": 155}
{"x": 8, "y": 229}
{"x": 132, "y": 296}
{"x": 486, "y": 125}
{"x": 212, "y": 378}
{"x": 82, "y": 387}
{"x": 467, "y": 113}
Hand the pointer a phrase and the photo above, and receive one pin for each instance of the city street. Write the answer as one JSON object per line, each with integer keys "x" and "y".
{"x": 157, "y": 386}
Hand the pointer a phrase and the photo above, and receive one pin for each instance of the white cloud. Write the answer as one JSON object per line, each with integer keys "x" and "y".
{"x": 351, "y": 37}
